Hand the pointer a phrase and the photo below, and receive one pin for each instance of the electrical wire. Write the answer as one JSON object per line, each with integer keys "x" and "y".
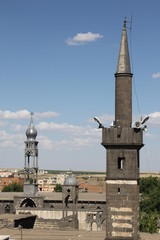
{"x": 134, "y": 83}
{"x": 132, "y": 67}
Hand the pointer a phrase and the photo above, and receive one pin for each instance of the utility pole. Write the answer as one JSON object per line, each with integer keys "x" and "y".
{"x": 20, "y": 228}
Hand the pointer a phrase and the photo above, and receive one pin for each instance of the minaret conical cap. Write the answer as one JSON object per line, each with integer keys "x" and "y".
{"x": 123, "y": 65}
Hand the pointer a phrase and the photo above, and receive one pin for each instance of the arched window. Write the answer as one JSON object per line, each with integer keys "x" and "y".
{"x": 94, "y": 226}
{"x": 7, "y": 208}
{"x": 27, "y": 203}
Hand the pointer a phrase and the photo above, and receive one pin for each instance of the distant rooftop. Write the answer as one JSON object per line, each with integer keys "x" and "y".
{"x": 55, "y": 196}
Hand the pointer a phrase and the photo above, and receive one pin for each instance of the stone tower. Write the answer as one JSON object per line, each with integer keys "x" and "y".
{"x": 31, "y": 160}
{"x": 123, "y": 144}
{"x": 70, "y": 197}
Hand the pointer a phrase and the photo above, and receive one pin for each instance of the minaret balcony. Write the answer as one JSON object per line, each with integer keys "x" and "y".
{"x": 122, "y": 137}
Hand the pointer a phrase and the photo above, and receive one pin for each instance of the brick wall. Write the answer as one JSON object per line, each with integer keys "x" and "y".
{"x": 5, "y": 181}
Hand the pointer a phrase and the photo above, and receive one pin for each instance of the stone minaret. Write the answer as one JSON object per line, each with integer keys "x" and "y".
{"x": 31, "y": 160}
{"x": 123, "y": 144}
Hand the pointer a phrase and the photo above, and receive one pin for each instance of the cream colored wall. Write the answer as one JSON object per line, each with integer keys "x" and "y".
{"x": 43, "y": 213}
{"x": 82, "y": 220}
{"x": 58, "y": 215}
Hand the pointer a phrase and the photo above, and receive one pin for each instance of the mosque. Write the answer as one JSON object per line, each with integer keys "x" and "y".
{"x": 118, "y": 212}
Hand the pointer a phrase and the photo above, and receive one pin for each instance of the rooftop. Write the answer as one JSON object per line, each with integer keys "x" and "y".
{"x": 55, "y": 196}
{"x": 64, "y": 235}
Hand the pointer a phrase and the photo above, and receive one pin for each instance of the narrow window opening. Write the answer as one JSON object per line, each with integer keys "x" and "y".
{"x": 138, "y": 159}
{"x": 119, "y": 190}
{"x": 121, "y": 163}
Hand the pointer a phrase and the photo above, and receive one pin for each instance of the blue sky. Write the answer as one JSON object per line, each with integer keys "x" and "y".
{"x": 58, "y": 59}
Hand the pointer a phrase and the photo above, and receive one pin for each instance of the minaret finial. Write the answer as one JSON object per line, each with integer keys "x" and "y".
{"x": 125, "y": 21}
{"x": 31, "y": 121}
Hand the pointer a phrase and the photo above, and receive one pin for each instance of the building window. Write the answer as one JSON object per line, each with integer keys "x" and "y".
{"x": 7, "y": 208}
{"x": 121, "y": 163}
{"x": 119, "y": 190}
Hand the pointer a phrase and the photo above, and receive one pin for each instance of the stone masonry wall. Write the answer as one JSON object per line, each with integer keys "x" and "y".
{"x": 62, "y": 224}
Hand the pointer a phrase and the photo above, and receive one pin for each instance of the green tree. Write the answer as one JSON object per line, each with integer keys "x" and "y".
{"x": 148, "y": 222}
{"x": 58, "y": 188}
{"x": 13, "y": 187}
{"x": 149, "y": 204}
{"x": 150, "y": 194}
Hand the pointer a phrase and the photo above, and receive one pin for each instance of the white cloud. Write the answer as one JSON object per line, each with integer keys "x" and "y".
{"x": 75, "y": 137}
{"x": 68, "y": 144}
{"x": 65, "y": 127}
{"x": 156, "y": 75}
{"x": 25, "y": 114}
{"x": 68, "y": 136}
{"x": 151, "y": 136}
{"x": 155, "y": 115}
{"x": 18, "y": 127}
{"x": 21, "y": 114}
{"x": 45, "y": 142}
{"x": 154, "y": 118}
{"x": 83, "y": 38}
{"x": 91, "y": 132}
{"x": 72, "y": 144}
{"x": 3, "y": 123}
{"x": 46, "y": 114}
{"x": 82, "y": 142}
{"x": 11, "y": 140}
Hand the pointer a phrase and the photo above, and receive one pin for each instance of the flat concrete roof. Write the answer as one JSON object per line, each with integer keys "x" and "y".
{"x": 55, "y": 196}
{"x": 64, "y": 235}
{"x": 10, "y": 216}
